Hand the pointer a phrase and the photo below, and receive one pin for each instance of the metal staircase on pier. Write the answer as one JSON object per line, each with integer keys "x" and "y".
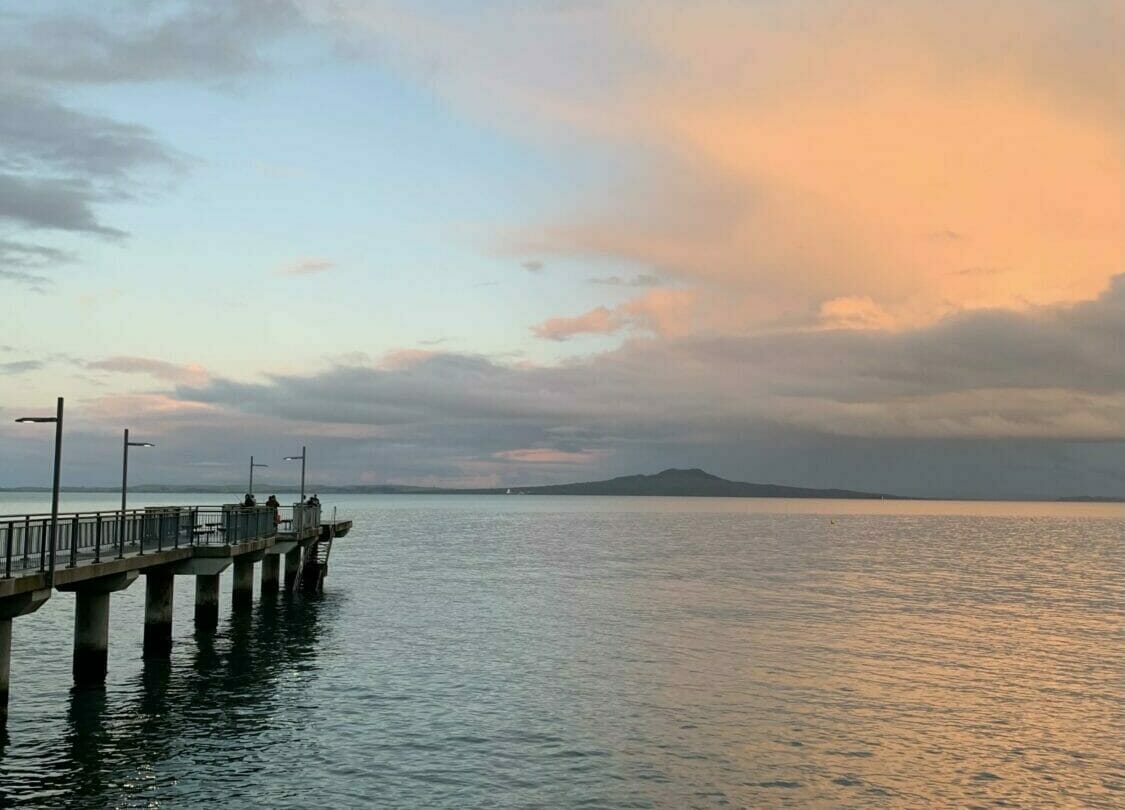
{"x": 314, "y": 564}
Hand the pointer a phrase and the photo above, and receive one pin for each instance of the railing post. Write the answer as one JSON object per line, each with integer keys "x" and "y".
{"x": 160, "y": 533}
{"x": 73, "y": 542}
{"x": 8, "y": 549}
{"x": 26, "y": 540}
{"x": 98, "y": 539}
{"x": 43, "y": 545}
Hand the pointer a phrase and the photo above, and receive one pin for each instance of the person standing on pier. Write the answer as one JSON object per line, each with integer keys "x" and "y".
{"x": 273, "y": 503}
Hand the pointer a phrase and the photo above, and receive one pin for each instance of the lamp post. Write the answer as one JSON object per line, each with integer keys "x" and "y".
{"x": 252, "y": 466}
{"x": 58, "y": 420}
{"x": 126, "y": 444}
{"x": 302, "y": 458}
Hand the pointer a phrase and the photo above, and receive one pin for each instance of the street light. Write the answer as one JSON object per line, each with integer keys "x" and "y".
{"x": 126, "y": 444}
{"x": 252, "y": 466}
{"x": 58, "y": 420}
{"x": 302, "y": 458}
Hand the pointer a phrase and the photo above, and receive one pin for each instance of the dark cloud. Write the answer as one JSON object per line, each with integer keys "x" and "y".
{"x": 23, "y": 254}
{"x": 50, "y": 203}
{"x": 58, "y": 164}
{"x": 39, "y": 134}
{"x": 196, "y": 41}
{"x": 1030, "y": 382}
{"x": 20, "y": 260}
{"x": 33, "y": 282}
{"x": 20, "y": 367}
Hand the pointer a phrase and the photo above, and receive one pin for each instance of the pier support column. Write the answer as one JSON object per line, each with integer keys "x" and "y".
{"x": 5, "y": 664}
{"x": 206, "y": 601}
{"x": 91, "y": 638}
{"x": 158, "y": 613}
{"x": 271, "y": 566}
{"x": 242, "y": 591}
{"x": 292, "y": 565}
{"x": 91, "y": 626}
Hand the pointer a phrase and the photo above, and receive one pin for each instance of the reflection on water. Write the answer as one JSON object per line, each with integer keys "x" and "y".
{"x": 224, "y": 687}
{"x": 620, "y": 653}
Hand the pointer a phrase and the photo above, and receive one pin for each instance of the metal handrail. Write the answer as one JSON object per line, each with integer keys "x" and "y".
{"x": 88, "y": 537}
{"x": 62, "y": 515}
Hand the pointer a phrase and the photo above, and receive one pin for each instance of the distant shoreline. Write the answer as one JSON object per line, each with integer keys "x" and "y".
{"x": 672, "y": 483}
{"x": 386, "y": 490}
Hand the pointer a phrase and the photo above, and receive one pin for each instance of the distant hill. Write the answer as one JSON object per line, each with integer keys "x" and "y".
{"x": 679, "y": 483}
{"x": 1092, "y": 499}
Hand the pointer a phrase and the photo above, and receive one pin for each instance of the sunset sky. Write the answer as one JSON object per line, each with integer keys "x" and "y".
{"x": 859, "y": 244}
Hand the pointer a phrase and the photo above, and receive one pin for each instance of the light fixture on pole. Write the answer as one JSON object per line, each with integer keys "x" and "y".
{"x": 302, "y": 458}
{"x": 125, "y": 484}
{"x": 252, "y": 466}
{"x": 58, "y": 420}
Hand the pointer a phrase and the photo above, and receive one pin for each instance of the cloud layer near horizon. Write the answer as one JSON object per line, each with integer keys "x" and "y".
{"x": 1051, "y": 375}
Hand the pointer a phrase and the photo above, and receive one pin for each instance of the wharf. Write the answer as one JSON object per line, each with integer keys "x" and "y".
{"x": 94, "y": 554}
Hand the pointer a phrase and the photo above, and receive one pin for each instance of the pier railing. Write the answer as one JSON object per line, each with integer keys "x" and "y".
{"x": 299, "y": 517}
{"x": 85, "y": 537}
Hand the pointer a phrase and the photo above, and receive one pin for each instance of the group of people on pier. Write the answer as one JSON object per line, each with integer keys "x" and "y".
{"x": 273, "y": 503}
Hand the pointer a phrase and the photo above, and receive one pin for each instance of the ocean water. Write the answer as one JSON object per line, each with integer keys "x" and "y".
{"x": 586, "y": 652}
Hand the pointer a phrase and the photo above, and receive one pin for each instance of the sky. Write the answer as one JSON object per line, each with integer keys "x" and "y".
{"x": 831, "y": 244}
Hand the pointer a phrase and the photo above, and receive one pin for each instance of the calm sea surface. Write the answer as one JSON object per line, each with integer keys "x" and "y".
{"x": 617, "y": 652}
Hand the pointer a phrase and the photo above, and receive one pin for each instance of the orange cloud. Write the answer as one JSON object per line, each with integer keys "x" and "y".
{"x": 662, "y": 311}
{"x": 777, "y": 156}
{"x": 855, "y": 312}
{"x": 306, "y": 267}
{"x": 187, "y": 374}
{"x": 405, "y": 358}
{"x": 142, "y": 406}
{"x": 598, "y": 321}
